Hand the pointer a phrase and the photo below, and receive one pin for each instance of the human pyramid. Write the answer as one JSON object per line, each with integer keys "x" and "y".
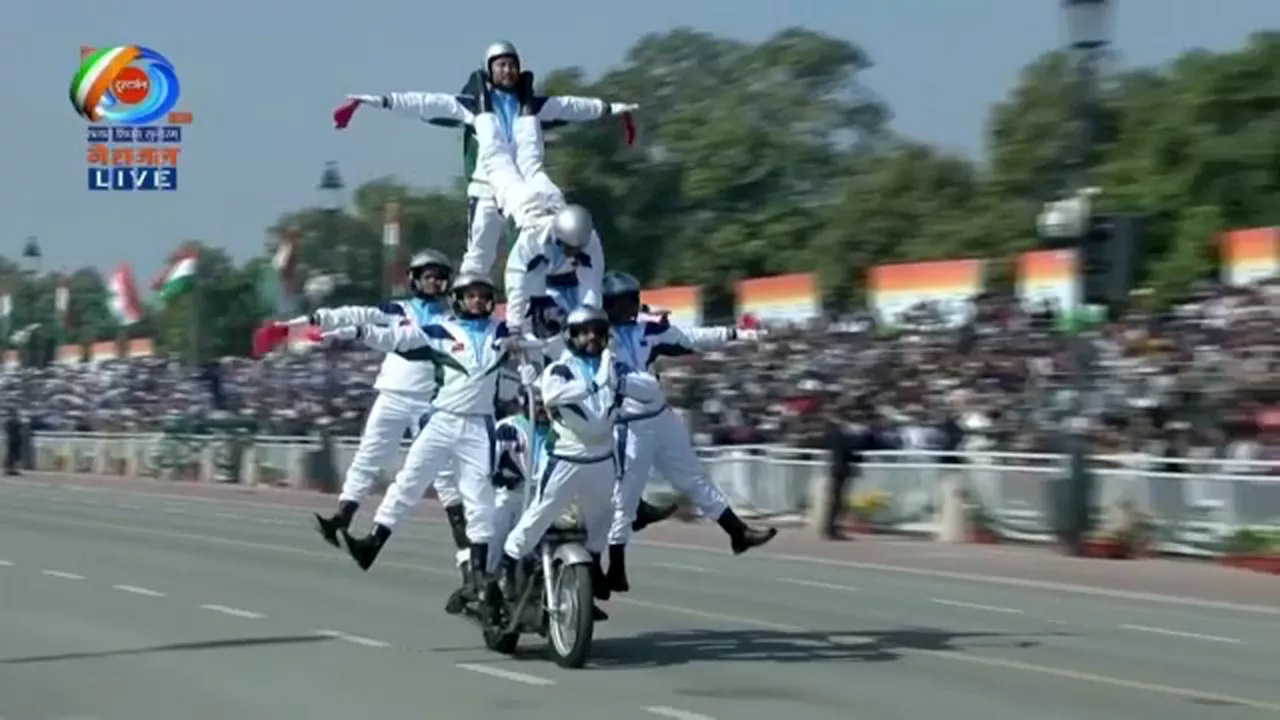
{"x": 595, "y": 423}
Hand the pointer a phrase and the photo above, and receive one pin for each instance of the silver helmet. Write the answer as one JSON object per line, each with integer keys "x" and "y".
{"x": 466, "y": 281}
{"x": 586, "y": 315}
{"x": 429, "y": 258}
{"x": 502, "y": 48}
{"x": 572, "y": 227}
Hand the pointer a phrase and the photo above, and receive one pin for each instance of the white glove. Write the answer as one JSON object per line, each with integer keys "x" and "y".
{"x": 374, "y": 100}
{"x": 745, "y": 334}
{"x": 528, "y": 374}
{"x": 300, "y": 321}
{"x": 341, "y": 334}
{"x": 622, "y": 108}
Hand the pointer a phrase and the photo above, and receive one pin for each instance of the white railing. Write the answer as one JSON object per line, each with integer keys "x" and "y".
{"x": 1194, "y": 508}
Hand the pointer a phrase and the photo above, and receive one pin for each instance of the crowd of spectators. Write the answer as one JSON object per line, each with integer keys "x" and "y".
{"x": 1203, "y": 376}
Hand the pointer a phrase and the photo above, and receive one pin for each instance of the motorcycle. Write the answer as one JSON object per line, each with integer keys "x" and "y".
{"x": 553, "y": 598}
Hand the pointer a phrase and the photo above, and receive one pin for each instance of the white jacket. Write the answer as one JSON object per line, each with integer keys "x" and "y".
{"x": 469, "y": 361}
{"x": 537, "y": 256}
{"x": 397, "y": 374}
{"x": 583, "y": 407}
{"x": 447, "y": 109}
{"x": 641, "y": 343}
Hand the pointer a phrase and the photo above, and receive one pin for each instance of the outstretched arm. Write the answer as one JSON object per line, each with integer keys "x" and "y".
{"x": 425, "y": 105}
{"x": 387, "y": 339}
{"x": 570, "y": 108}
{"x": 352, "y": 315}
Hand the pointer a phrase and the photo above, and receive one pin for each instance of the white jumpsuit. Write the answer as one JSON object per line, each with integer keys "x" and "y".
{"x": 650, "y": 436}
{"x": 485, "y": 220}
{"x": 514, "y": 166}
{"x": 582, "y": 399}
{"x": 405, "y": 390}
{"x": 459, "y": 431}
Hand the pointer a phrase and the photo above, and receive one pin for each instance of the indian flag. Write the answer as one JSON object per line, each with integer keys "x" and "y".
{"x": 123, "y": 301}
{"x": 179, "y": 275}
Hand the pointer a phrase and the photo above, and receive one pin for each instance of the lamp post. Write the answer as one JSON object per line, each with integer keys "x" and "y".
{"x": 31, "y": 265}
{"x": 1088, "y": 24}
{"x": 331, "y": 189}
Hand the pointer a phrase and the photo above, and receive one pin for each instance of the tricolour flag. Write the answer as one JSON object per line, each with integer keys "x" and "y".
{"x": 179, "y": 275}
{"x": 123, "y": 298}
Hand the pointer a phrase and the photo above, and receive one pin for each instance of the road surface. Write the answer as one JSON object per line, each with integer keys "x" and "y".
{"x": 127, "y": 600}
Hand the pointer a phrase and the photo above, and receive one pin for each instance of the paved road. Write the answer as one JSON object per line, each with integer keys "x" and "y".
{"x": 121, "y": 601}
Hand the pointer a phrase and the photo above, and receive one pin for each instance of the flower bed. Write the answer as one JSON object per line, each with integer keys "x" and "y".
{"x": 1255, "y": 550}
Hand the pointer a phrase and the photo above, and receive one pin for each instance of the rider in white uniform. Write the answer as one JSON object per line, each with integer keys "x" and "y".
{"x": 469, "y": 348}
{"x": 503, "y": 89}
{"x": 582, "y": 391}
{"x": 650, "y": 436}
{"x": 405, "y": 390}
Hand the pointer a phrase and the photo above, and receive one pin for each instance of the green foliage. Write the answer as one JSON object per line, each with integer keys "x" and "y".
{"x": 775, "y": 157}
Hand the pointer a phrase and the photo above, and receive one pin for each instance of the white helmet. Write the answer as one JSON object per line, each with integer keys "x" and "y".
{"x": 572, "y": 227}
{"x": 502, "y": 48}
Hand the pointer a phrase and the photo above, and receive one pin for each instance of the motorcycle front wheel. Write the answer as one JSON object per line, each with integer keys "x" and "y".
{"x": 572, "y": 626}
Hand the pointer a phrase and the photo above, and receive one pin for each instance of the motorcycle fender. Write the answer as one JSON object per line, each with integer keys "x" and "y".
{"x": 572, "y": 554}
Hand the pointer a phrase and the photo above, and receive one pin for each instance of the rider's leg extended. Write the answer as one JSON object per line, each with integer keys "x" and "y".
{"x": 474, "y": 452}
{"x": 635, "y": 453}
{"x": 437, "y": 446}
{"x": 485, "y": 227}
{"x": 391, "y": 415}
{"x": 676, "y": 461}
{"x": 560, "y": 483}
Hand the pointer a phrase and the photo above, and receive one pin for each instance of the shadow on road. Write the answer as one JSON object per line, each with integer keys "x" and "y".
{"x": 172, "y": 647}
{"x": 660, "y": 649}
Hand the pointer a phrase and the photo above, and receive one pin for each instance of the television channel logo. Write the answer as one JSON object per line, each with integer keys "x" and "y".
{"x": 128, "y": 93}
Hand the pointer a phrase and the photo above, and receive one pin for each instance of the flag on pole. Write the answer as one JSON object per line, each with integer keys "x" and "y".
{"x": 179, "y": 274}
{"x": 391, "y": 227}
{"x": 285, "y": 261}
{"x": 123, "y": 297}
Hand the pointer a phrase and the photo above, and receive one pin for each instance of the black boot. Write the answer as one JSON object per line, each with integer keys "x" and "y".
{"x": 743, "y": 537}
{"x": 599, "y": 588}
{"x": 457, "y": 601}
{"x": 501, "y": 591}
{"x": 647, "y": 515}
{"x": 616, "y": 578}
{"x": 457, "y": 517}
{"x": 364, "y": 550}
{"x": 329, "y": 527}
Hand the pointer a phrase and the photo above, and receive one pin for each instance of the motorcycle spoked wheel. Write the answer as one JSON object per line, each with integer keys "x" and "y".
{"x": 570, "y": 631}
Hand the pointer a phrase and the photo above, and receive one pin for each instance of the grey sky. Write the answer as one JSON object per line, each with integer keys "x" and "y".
{"x": 262, "y": 78}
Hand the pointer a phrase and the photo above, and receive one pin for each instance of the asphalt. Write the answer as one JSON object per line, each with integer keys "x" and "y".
{"x": 120, "y": 603}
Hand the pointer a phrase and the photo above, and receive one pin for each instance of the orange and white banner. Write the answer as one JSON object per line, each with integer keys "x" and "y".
{"x": 1049, "y": 276}
{"x": 781, "y": 298}
{"x": 1250, "y": 255}
{"x": 683, "y": 303}
{"x": 892, "y": 290}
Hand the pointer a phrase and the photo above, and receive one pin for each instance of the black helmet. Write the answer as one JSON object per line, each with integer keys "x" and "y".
{"x": 621, "y": 297}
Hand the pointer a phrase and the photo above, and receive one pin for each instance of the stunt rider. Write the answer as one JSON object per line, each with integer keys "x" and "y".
{"x": 582, "y": 391}
{"x": 650, "y": 436}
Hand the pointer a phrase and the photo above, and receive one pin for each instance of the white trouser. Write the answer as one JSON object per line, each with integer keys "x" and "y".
{"x": 464, "y": 442}
{"x": 658, "y": 443}
{"x": 391, "y": 415}
{"x": 561, "y": 483}
{"x": 507, "y": 507}
{"x": 485, "y": 227}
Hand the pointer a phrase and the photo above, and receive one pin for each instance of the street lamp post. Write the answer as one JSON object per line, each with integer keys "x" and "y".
{"x": 1088, "y": 25}
{"x": 331, "y": 189}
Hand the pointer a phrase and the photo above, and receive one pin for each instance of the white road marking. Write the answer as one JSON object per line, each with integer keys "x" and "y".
{"x": 816, "y": 584}
{"x": 128, "y": 506}
{"x": 354, "y": 639}
{"x": 676, "y": 713}
{"x": 63, "y": 575}
{"x": 687, "y": 568}
{"x": 976, "y": 606}
{"x": 5, "y": 563}
{"x": 1181, "y": 634}
{"x": 135, "y": 590}
{"x": 505, "y": 674}
{"x": 229, "y": 516}
{"x": 233, "y": 612}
